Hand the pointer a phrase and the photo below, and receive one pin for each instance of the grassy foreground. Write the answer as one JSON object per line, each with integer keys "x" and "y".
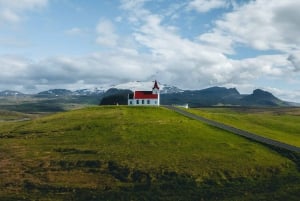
{"x": 137, "y": 153}
{"x": 282, "y": 124}
{"x": 12, "y": 116}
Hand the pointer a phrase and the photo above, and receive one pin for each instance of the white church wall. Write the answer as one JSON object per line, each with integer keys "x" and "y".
{"x": 143, "y": 102}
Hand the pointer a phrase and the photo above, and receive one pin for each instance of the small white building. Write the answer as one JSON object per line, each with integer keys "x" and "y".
{"x": 144, "y": 98}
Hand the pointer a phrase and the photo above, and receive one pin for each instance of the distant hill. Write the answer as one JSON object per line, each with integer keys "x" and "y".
{"x": 65, "y": 92}
{"x": 262, "y": 98}
{"x": 89, "y": 92}
{"x": 206, "y": 97}
{"x": 56, "y": 92}
{"x": 220, "y": 96}
{"x": 214, "y": 96}
{"x": 11, "y": 93}
{"x": 115, "y": 96}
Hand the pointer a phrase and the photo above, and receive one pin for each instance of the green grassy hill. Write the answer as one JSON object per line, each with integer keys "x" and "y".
{"x": 282, "y": 124}
{"x": 137, "y": 153}
{"x": 11, "y": 116}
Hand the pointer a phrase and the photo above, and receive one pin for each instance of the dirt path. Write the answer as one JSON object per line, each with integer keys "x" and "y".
{"x": 237, "y": 131}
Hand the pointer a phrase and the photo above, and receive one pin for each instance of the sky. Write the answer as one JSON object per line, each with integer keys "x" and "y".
{"x": 191, "y": 44}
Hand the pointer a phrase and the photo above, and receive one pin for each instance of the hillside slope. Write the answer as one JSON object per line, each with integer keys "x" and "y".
{"x": 280, "y": 123}
{"x": 130, "y": 153}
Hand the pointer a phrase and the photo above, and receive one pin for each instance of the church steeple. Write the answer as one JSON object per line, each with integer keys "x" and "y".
{"x": 155, "y": 86}
{"x": 155, "y": 90}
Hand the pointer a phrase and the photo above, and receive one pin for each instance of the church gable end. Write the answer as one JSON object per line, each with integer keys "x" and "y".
{"x": 145, "y": 97}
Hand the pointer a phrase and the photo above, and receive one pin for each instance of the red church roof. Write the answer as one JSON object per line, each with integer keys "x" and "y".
{"x": 144, "y": 95}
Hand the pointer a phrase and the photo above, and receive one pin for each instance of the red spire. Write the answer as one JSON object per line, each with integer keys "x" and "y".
{"x": 155, "y": 85}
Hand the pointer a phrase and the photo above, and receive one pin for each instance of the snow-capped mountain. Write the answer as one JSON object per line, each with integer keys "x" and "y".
{"x": 133, "y": 86}
{"x": 147, "y": 86}
{"x": 98, "y": 91}
{"x": 10, "y": 93}
{"x": 56, "y": 92}
{"x": 88, "y": 92}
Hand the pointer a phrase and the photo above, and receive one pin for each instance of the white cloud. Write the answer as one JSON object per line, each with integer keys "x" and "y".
{"x": 295, "y": 60}
{"x": 204, "y": 6}
{"x": 286, "y": 94}
{"x": 175, "y": 10}
{"x": 121, "y": 66}
{"x": 132, "y": 4}
{"x": 9, "y": 16}
{"x": 195, "y": 64}
{"x": 181, "y": 59}
{"x": 106, "y": 33}
{"x": 13, "y": 42}
{"x": 12, "y": 11}
{"x": 156, "y": 50}
{"x": 218, "y": 41}
{"x": 13, "y": 71}
{"x": 118, "y": 19}
{"x": 269, "y": 65}
{"x": 263, "y": 25}
{"x": 283, "y": 94}
{"x": 24, "y": 4}
{"x": 74, "y": 31}
{"x": 136, "y": 9}
{"x": 93, "y": 69}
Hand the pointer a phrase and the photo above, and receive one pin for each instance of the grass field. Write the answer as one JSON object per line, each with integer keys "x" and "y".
{"x": 137, "y": 153}
{"x": 11, "y": 116}
{"x": 282, "y": 124}
{"x": 50, "y": 104}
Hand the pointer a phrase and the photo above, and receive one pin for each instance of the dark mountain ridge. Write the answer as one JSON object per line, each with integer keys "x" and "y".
{"x": 56, "y": 92}
{"x": 213, "y": 96}
{"x": 260, "y": 97}
{"x": 115, "y": 97}
{"x": 220, "y": 96}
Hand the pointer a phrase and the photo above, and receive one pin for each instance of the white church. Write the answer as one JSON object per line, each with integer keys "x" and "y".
{"x": 145, "y": 98}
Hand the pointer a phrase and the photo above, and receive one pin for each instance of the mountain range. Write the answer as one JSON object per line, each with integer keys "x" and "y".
{"x": 213, "y": 96}
{"x": 221, "y": 96}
